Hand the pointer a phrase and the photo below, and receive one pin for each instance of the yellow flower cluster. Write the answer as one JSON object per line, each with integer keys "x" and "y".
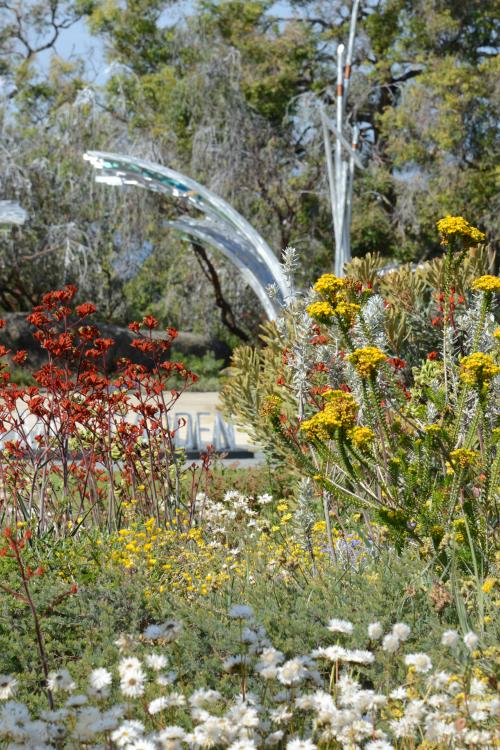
{"x": 464, "y": 457}
{"x": 178, "y": 559}
{"x": 478, "y": 369}
{"x": 191, "y": 563}
{"x": 321, "y": 312}
{"x": 335, "y": 302}
{"x": 270, "y": 406}
{"x": 347, "y": 310}
{"x": 367, "y": 360}
{"x": 487, "y": 284}
{"x": 329, "y": 285}
{"x": 451, "y": 226}
{"x": 361, "y": 437}
{"x": 340, "y": 412}
{"x": 489, "y": 584}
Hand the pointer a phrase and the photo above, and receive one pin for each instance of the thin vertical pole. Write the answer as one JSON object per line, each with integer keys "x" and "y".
{"x": 338, "y": 159}
{"x": 350, "y": 47}
{"x": 329, "y": 169}
{"x": 350, "y": 181}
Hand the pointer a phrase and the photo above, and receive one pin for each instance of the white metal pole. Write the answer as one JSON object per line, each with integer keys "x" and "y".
{"x": 330, "y": 172}
{"x": 350, "y": 181}
{"x": 339, "y": 262}
{"x": 350, "y": 47}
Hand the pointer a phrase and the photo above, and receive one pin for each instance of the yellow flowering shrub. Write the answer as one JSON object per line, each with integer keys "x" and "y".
{"x": 367, "y": 360}
{"x": 478, "y": 369}
{"x": 329, "y": 285}
{"x": 347, "y": 310}
{"x": 361, "y": 437}
{"x": 464, "y": 457}
{"x": 321, "y": 312}
{"x": 487, "y": 284}
{"x": 451, "y": 226}
{"x": 340, "y": 412}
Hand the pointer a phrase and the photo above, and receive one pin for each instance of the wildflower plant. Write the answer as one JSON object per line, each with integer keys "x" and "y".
{"x": 79, "y": 445}
{"x": 414, "y": 448}
{"x": 368, "y": 689}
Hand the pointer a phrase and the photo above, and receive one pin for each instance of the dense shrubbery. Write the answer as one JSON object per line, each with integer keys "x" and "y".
{"x": 377, "y": 505}
{"x": 414, "y": 448}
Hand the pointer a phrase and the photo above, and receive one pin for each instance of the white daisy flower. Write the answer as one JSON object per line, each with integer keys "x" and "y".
{"x": 420, "y": 662}
{"x": 340, "y": 626}
{"x": 401, "y": 631}
{"x": 241, "y": 612}
{"x": 450, "y": 638}
{"x": 375, "y": 631}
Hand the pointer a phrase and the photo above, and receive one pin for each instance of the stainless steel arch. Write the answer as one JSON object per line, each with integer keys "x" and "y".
{"x": 12, "y": 213}
{"x": 221, "y": 226}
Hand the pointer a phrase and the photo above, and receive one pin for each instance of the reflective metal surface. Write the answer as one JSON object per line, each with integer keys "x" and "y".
{"x": 12, "y": 213}
{"x": 220, "y": 226}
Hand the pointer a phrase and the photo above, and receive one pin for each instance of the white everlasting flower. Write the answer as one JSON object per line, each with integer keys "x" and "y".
{"x": 298, "y": 744}
{"x": 157, "y": 662}
{"x": 420, "y": 662}
{"x": 171, "y": 738}
{"x": 243, "y": 744}
{"x": 399, "y": 694}
{"x": 166, "y": 679}
{"x": 280, "y": 715}
{"x": 292, "y": 672}
{"x": 379, "y": 745}
{"x": 241, "y": 612}
{"x": 375, "y": 631}
{"x": 471, "y": 640}
{"x": 125, "y": 642}
{"x": 212, "y": 732}
{"x": 129, "y": 665}
{"x": 477, "y": 687}
{"x": 201, "y": 697}
{"x": 234, "y": 663}
{"x": 166, "y": 631}
{"x": 265, "y": 499}
{"x": 339, "y": 626}
{"x": 358, "y": 656}
{"x": 176, "y": 700}
{"x": 159, "y": 704}
{"x": 440, "y": 680}
{"x": 333, "y": 653}
{"x": 449, "y": 638}
{"x": 243, "y": 716}
{"x": 401, "y": 631}
{"x": 249, "y": 636}
{"x": 60, "y": 680}
{"x": 270, "y": 657}
{"x": 142, "y": 744}
{"x": 127, "y": 732}
{"x": 390, "y": 643}
{"x": 8, "y": 686}
{"x": 100, "y": 678}
{"x": 132, "y": 683}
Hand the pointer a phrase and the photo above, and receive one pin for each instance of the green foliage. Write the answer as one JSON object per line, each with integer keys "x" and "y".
{"x": 251, "y": 382}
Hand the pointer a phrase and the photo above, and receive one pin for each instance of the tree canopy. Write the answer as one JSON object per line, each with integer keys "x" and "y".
{"x": 227, "y": 92}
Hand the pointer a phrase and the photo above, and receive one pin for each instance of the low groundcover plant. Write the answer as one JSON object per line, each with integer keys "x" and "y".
{"x": 343, "y": 694}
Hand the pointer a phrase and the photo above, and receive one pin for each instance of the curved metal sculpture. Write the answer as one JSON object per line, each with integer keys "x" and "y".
{"x": 12, "y": 213}
{"x": 221, "y": 226}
